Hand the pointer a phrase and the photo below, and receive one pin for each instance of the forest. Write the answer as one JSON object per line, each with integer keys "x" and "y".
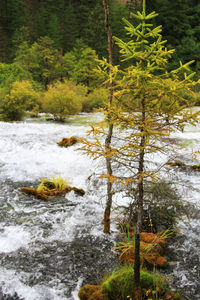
{"x": 45, "y": 42}
{"x": 122, "y": 80}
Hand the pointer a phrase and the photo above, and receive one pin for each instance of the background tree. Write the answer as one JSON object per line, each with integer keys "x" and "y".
{"x": 54, "y": 32}
{"x": 40, "y": 25}
{"x": 41, "y": 59}
{"x": 13, "y": 17}
{"x": 70, "y": 31}
{"x": 65, "y": 21}
{"x": 10, "y": 73}
{"x": 180, "y": 20}
{"x": 79, "y": 66}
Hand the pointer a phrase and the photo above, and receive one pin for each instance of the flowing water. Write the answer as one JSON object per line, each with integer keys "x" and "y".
{"x": 48, "y": 249}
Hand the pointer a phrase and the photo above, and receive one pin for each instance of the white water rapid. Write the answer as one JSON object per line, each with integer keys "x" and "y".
{"x": 48, "y": 249}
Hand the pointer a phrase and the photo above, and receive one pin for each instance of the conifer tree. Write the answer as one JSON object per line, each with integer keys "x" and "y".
{"x": 54, "y": 32}
{"x": 69, "y": 26}
{"x": 147, "y": 106}
{"x": 79, "y": 65}
{"x": 41, "y": 22}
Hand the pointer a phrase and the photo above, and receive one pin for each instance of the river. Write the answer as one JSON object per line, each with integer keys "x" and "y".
{"x": 49, "y": 249}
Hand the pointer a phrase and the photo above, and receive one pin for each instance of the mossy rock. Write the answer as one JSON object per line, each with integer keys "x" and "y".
{"x": 49, "y": 188}
{"x": 66, "y": 142}
{"x": 120, "y": 284}
{"x": 151, "y": 247}
{"x": 196, "y": 167}
{"x": 91, "y": 292}
{"x": 146, "y": 259}
{"x": 79, "y": 192}
{"x": 98, "y": 295}
{"x": 176, "y": 163}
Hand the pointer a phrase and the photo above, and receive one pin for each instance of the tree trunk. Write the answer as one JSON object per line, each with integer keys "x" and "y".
{"x": 137, "y": 287}
{"x": 110, "y": 129}
{"x": 109, "y": 184}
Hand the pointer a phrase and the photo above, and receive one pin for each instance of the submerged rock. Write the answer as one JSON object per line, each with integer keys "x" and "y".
{"x": 47, "y": 195}
{"x": 183, "y": 166}
{"x": 196, "y": 167}
{"x": 176, "y": 163}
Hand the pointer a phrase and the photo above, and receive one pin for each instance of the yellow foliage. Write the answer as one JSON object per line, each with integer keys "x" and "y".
{"x": 48, "y": 188}
{"x": 21, "y": 97}
{"x": 63, "y": 99}
{"x": 56, "y": 184}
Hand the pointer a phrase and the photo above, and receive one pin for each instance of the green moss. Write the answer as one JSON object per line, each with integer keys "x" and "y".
{"x": 56, "y": 184}
{"x": 152, "y": 280}
{"x": 120, "y": 284}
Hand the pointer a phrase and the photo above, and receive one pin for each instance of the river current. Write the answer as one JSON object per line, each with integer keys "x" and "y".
{"x": 49, "y": 249}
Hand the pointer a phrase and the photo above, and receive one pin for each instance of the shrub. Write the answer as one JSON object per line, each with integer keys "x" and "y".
{"x": 63, "y": 99}
{"x": 20, "y": 98}
{"x": 95, "y": 99}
